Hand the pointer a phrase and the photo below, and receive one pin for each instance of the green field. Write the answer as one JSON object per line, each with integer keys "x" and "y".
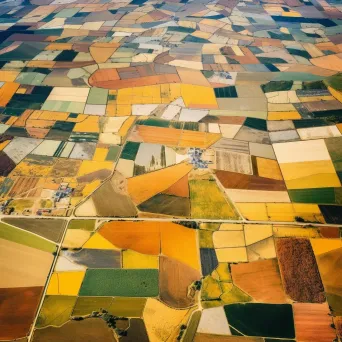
{"x": 267, "y": 320}
{"x": 86, "y": 305}
{"x": 120, "y": 282}
{"x": 319, "y": 195}
{"x": 130, "y": 150}
{"x": 88, "y": 225}
{"x": 56, "y": 310}
{"x": 25, "y": 238}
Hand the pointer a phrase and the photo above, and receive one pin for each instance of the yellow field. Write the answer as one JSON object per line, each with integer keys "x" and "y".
{"x": 294, "y": 231}
{"x": 75, "y": 238}
{"x": 143, "y": 187}
{"x": 195, "y": 96}
{"x": 90, "y": 124}
{"x": 227, "y": 238}
{"x": 179, "y": 242}
{"x": 65, "y": 283}
{"x": 280, "y": 211}
{"x": 310, "y": 174}
{"x": 255, "y": 233}
{"x": 321, "y": 246}
{"x": 132, "y": 259}
{"x": 238, "y": 254}
{"x": 268, "y": 168}
{"x": 160, "y": 320}
{"x": 97, "y": 241}
{"x": 89, "y": 166}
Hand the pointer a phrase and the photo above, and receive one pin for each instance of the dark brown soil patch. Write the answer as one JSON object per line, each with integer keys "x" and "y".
{"x": 6, "y": 164}
{"x": 88, "y": 330}
{"x": 17, "y": 310}
{"x": 221, "y": 338}
{"x": 233, "y": 180}
{"x": 330, "y": 232}
{"x": 136, "y": 331}
{"x": 302, "y": 281}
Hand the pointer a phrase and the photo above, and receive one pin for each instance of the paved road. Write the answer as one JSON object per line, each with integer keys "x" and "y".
{"x": 106, "y": 218}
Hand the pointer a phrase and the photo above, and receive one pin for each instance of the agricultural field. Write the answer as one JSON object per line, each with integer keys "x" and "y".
{"x": 170, "y": 170}
{"x": 171, "y": 281}
{"x": 219, "y": 110}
